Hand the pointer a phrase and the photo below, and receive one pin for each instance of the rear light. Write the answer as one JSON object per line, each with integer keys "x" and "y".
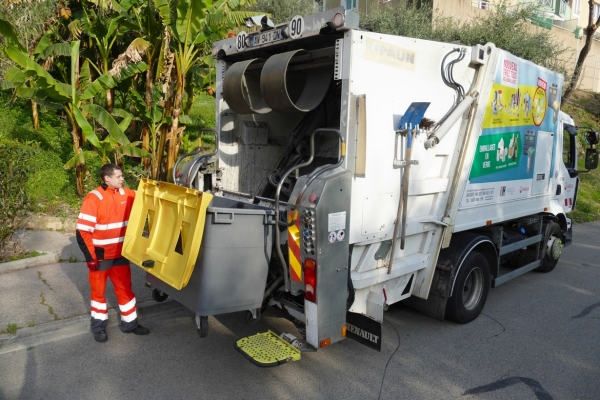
{"x": 310, "y": 280}
{"x": 325, "y": 342}
{"x": 338, "y": 20}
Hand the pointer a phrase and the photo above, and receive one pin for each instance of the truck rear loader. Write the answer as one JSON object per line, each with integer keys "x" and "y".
{"x": 353, "y": 170}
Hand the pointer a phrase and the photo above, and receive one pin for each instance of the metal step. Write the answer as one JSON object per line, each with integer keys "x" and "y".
{"x": 509, "y": 248}
{"x": 267, "y": 349}
{"x": 515, "y": 273}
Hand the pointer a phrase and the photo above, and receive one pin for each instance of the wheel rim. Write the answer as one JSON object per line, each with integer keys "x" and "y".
{"x": 473, "y": 288}
{"x": 554, "y": 248}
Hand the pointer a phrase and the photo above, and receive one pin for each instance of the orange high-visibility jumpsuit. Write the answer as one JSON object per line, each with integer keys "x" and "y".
{"x": 101, "y": 229}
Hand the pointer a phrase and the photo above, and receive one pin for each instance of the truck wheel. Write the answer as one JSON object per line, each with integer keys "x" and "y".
{"x": 552, "y": 248}
{"x": 471, "y": 288}
{"x": 159, "y": 296}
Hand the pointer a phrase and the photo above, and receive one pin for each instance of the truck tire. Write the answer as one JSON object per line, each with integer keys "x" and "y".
{"x": 471, "y": 289}
{"x": 551, "y": 248}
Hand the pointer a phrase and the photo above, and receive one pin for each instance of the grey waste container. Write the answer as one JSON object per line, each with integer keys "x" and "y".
{"x": 233, "y": 263}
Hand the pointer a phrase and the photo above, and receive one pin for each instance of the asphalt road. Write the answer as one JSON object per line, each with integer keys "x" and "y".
{"x": 538, "y": 338}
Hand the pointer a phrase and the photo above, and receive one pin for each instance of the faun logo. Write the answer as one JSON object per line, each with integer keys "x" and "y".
{"x": 362, "y": 333}
{"x": 523, "y": 189}
{"x": 385, "y": 53}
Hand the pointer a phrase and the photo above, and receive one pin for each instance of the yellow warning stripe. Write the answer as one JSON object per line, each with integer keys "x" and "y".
{"x": 294, "y": 247}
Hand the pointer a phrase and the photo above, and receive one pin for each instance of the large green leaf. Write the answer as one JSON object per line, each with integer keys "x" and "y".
{"x": 105, "y": 81}
{"x": 40, "y": 96}
{"x": 10, "y": 35}
{"x": 124, "y": 5}
{"x": 49, "y": 103}
{"x": 86, "y": 128}
{"x": 42, "y": 78}
{"x": 80, "y": 158}
{"x": 191, "y": 120}
{"x": 42, "y": 44}
{"x": 112, "y": 25}
{"x": 56, "y": 50}
{"x": 7, "y": 85}
{"x": 15, "y": 76}
{"x": 190, "y": 20}
{"x": 64, "y": 87}
{"x": 108, "y": 122}
{"x": 126, "y": 115}
{"x": 85, "y": 76}
{"x": 164, "y": 10}
{"x": 133, "y": 151}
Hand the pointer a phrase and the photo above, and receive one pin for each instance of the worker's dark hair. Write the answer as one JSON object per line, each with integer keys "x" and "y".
{"x": 108, "y": 170}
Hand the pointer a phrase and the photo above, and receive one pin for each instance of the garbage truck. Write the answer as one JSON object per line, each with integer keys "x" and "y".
{"x": 353, "y": 170}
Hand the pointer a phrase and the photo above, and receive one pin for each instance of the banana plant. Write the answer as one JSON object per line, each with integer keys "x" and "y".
{"x": 115, "y": 144}
{"x": 197, "y": 24}
{"x": 105, "y": 29}
{"x": 71, "y": 96}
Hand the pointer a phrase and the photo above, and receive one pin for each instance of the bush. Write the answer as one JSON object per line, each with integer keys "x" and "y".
{"x": 509, "y": 28}
{"x": 282, "y": 11}
{"x": 410, "y": 20}
{"x": 16, "y": 164}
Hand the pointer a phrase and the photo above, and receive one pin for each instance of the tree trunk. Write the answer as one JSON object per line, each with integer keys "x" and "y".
{"x": 35, "y": 115}
{"x": 589, "y": 35}
{"x": 175, "y": 133}
{"x": 145, "y": 128}
{"x": 110, "y": 101}
{"x": 133, "y": 124}
{"x": 164, "y": 129}
{"x": 80, "y": 168}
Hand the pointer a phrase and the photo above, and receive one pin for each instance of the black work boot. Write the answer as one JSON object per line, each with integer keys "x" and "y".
{"x": 101, "y": 336}
{"x": 139, "y": 330}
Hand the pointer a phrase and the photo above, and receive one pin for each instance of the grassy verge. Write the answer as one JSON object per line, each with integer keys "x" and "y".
{"x": 20, "y": 256}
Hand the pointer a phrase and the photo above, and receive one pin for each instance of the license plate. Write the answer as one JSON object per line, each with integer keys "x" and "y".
{"x": 265, "y": 37}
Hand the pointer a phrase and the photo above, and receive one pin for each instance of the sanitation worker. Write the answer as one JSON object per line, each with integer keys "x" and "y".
{"x": 101, "y": 228}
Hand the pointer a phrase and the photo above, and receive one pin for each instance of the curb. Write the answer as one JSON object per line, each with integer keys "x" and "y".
{"x": 44, "y": 259}
{"x": 27, "y": 338}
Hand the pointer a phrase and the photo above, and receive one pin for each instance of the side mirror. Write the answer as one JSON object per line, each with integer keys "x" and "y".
{"x": 591, "y": 137}
{"x": 591, "y": 158}
{"x": 572, "y": 130}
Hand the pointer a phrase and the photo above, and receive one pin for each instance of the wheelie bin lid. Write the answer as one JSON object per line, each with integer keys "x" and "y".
{"x": 165, "y": 230}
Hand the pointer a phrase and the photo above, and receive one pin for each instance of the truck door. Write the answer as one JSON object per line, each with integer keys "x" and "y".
{"x": 543, "y": 162}
{"x": 566, "y": 169}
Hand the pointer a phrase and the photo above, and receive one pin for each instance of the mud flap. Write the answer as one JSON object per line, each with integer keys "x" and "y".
{"x": 364, "y": 330}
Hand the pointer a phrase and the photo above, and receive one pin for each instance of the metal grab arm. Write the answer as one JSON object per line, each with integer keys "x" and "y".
{"x": 196, "y": 151}
{"x": 312, "y": 177}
